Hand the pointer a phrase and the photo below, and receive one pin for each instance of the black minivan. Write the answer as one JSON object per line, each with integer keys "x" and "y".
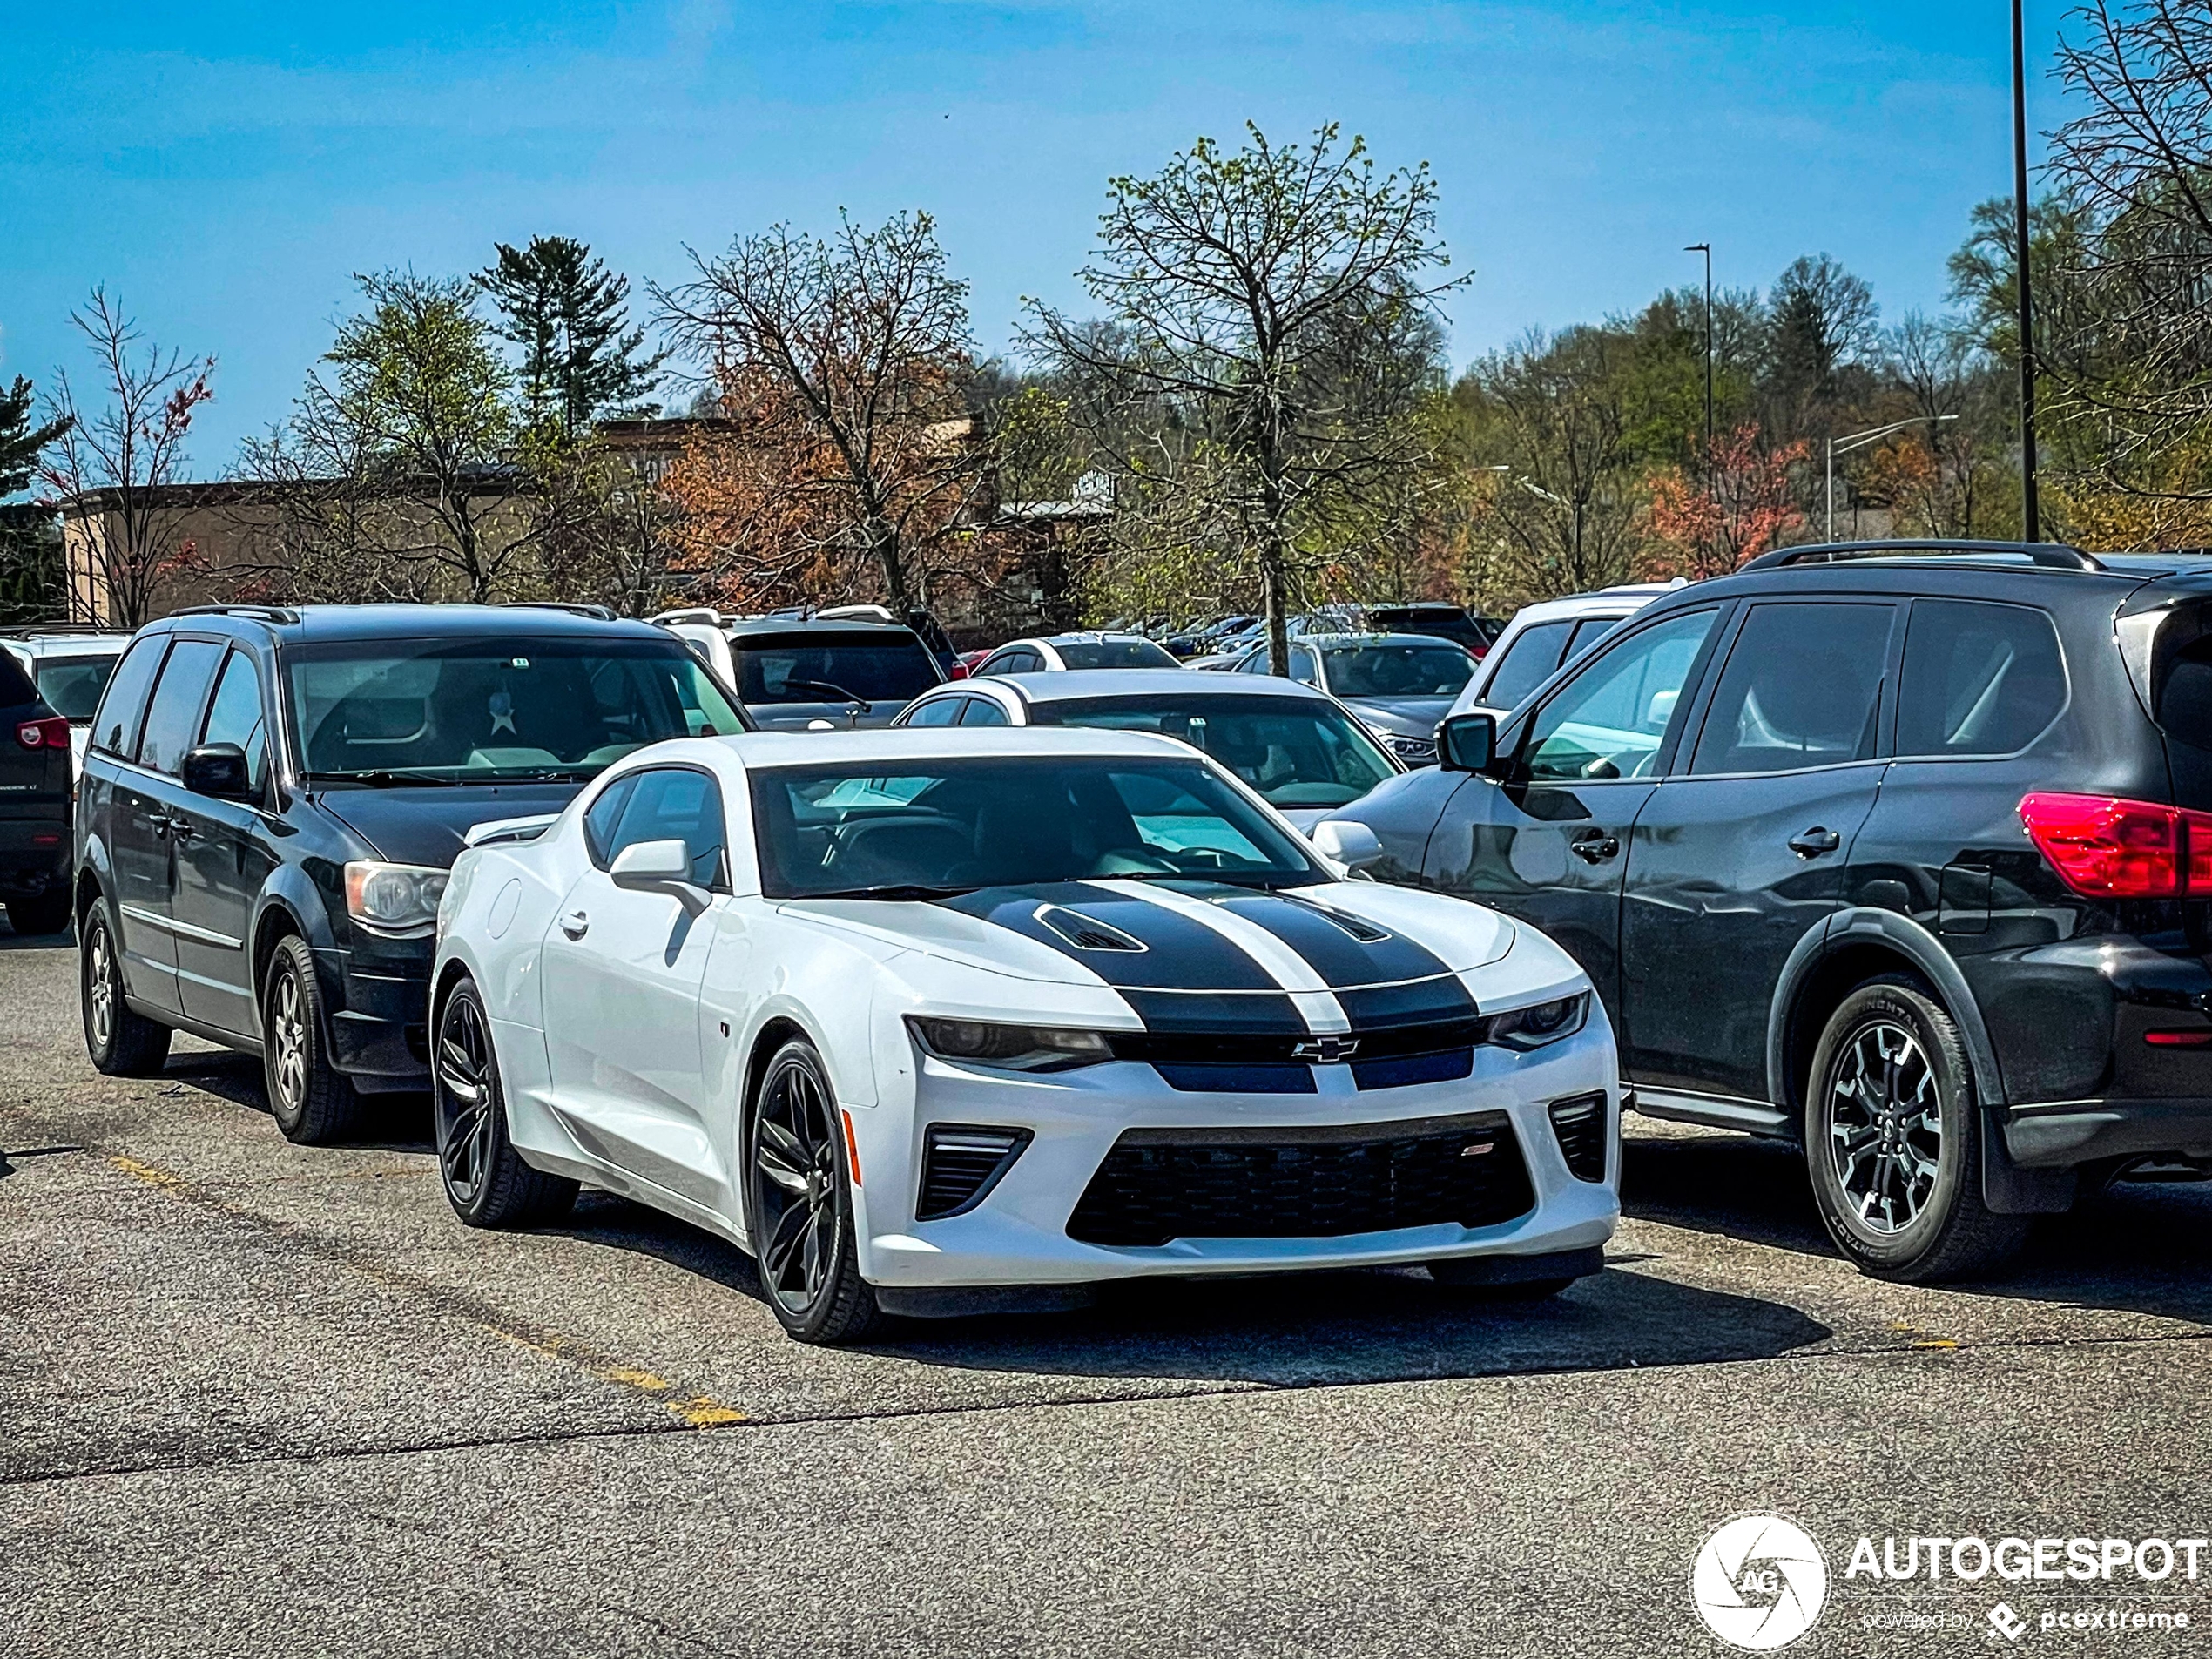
{"x": 272, "y": 799}
{"x": 1902, "y": 854}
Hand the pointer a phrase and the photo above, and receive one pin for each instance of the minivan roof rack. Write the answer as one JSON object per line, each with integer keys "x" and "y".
{"x": 31, "y": 630}
{"x": 2053, "y": 555}
{"x": 280, "y": 614}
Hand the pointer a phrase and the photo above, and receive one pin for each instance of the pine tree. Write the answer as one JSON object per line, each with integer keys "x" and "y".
{"x": 20, "y": 441}
{"x": 569, "y": 314}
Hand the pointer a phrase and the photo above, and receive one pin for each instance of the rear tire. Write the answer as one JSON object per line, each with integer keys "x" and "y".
{"x": 1893, "y": 1141}
{"x": 484, "y": 1178}
{"x": 314, "y": 1102}
{"x": 121, "y": 1043}
{"x": 47, "y": 913}
{"x": 798, "y": 1203}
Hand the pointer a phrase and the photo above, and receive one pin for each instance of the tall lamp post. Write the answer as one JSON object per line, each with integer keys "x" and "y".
{"x": 1706, "y": 248}
{"x": 2031, "y": 517}
{"x": 1851, "y": 441}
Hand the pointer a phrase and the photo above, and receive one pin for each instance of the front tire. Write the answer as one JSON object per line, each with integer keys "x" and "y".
{"x": 798, "y": 1203}
{"x": 1893, "y": 1141}
{"x": 485, "y": 1179}
{"x": 313, "y": 1101}
{"x": 121, "y": 1043}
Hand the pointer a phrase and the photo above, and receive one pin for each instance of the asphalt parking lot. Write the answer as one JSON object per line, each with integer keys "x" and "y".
{"x": 262, "y": 1399}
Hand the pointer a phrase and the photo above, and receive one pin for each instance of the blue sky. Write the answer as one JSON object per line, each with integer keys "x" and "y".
{"x": 224, "y": 166}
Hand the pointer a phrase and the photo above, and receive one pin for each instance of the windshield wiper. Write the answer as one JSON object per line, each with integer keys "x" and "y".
{"x": 909, "y": 891}
{"x": 825, "y": 685}
{"x": 383, "y": 777}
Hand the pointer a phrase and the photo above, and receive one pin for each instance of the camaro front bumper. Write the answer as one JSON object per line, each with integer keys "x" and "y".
{"x": 1019, "y": 1233}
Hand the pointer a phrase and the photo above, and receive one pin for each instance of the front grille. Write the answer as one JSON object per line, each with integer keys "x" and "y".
{"x": 1580, "y": 1125}
{"x": 1324, "y": 1182}
{"x": 961, "y": 1163}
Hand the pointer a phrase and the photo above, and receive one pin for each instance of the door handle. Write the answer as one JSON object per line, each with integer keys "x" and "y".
{"x": 576, "y": 924}
{"x": 159, "y": 823}
{"x": 1594, "y": 846}
{"x": 1814, "y": 842}
{"x": 182, "y": 828}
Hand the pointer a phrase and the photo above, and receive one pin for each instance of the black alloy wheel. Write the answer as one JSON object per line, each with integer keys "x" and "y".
{"x": 485, "y": 1179}
{"x": 798, "y": 1203}
{"x": 121, "y": 1043}
{"x": 1893, "y": 1140}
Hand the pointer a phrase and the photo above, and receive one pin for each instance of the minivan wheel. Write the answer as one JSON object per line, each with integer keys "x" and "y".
{"x": 485, "y": 1179}
{"x": 798, "y": 1206}
{"x": 1893, "y": 1142}
{"x": 313, "y": 1102}
{"x": 121, "y": 1043}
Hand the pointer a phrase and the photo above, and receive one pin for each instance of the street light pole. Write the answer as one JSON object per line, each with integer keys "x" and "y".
{"x": 2031, "y": 517}
{"x": 1706, "y": 248}
{"x": 1851, "y": 441}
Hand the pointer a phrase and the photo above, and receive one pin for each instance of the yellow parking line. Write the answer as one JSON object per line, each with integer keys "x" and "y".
{"x": 693, "y": 1411}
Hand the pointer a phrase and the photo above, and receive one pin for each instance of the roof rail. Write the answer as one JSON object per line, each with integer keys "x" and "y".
{"x": 707, "y": 614}
{"x": 2051, "y": 555}
{"x": 32, "y": 630}
{"x": 597, "y": 613}
{"x": 279, "y": 614}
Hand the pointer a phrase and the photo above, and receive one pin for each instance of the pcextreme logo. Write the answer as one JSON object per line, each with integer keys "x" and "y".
{"x": 1759, "y": 1582}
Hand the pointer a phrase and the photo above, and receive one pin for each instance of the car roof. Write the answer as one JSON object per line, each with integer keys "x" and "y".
{"x": 1622, "y": 601}
{"x": 1078, "y": 637}
{"x": 907, "y": 743}
{"x": 66, "y": 642}
{"x": 1095, "y": 683}
{"x": 849, "y": 627}
{"x": 311, "y": 624}
{"x": 1335, "y": 640}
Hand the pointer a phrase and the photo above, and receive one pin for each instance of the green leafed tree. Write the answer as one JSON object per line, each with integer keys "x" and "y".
{"x": 23, "y": 437}
{"x": 569, "y": 315}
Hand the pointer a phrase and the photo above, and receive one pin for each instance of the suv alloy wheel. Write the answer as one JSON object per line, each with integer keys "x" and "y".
{"x": 1893, "y": 1140}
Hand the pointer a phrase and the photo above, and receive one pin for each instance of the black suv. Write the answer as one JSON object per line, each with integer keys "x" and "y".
{"x": 1902, "y": 854}
{"x": 34, "y": 776}
{"x": 273, "y": 797}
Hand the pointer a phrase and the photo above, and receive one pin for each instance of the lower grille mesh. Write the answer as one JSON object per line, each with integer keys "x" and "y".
{"x": 1162, "y": 1184}
{"x": 961, "y": 1163}
{"x": 1580, "y": 1125}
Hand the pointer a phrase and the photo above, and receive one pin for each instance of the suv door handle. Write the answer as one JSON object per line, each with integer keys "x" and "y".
{"x": 1814, "y": 842}
{"x": 182, "y": 828}
{"x": 1594, "y": 846}
{"x": 159, "y": 823}
{"x": 576, "y": 924}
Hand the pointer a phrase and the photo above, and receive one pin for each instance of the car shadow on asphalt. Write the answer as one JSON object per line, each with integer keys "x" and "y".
{"x": 2141, "y": 1247}
{"x": 398, "y": 1122}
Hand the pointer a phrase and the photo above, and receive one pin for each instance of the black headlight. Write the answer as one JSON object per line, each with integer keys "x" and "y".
{"x": 1013, "y": 1047}
{"x": 1540, "y": 1022}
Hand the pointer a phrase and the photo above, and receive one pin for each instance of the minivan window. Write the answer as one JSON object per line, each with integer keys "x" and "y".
{"x": 123, "y": 707}
{"x": 1980, "y": 678}
{"x": 173, "y": 718}
{"x": 1527, "y": 662}
{"x": 1801, "y": 688}
{"x": 235, "y": 717}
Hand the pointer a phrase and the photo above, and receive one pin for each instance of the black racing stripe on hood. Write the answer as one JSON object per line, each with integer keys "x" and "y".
{"x": 1386, "y": 1008}
{"x": 1179, "y": 955}
{"x": 1201, "y": 1013}
{"x": 1331, "y": 947}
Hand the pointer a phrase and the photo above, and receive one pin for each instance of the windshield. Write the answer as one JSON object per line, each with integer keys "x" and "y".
{"x": 819, "y": 667}
{"x": 476, "y": 710}
{"x": 1413, "y": 669}
{"x": 930, "y": 827}
{"x": 1114, "y": 653}
{"x": 71, "y": 685}
{"x": 1296, "y": 752}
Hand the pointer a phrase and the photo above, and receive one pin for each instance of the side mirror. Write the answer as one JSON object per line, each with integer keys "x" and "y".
{"x": 219, "y": 771}
{"x": 659, "y": 867}
{"x": 1343, "y": 841}
{"x": 1467, "y": 742}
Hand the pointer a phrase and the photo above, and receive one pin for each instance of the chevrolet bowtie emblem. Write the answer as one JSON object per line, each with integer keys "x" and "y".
{"x": 1326, "y": 1050}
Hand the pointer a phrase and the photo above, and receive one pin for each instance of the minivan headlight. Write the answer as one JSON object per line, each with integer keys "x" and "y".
{"x": 1013, "y": 1047}
{"x": 396, "y": 899}
{"x": 1540, "y": 1022}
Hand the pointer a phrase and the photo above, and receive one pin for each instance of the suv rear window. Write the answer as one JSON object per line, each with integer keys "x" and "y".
{"x": 1980, "y": 678}
{"x": 823, "y": 667}
{"x": 15, "y": 685}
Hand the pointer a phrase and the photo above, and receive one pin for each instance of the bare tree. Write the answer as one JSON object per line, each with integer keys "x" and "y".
{"x": 1233, "y": 284}
{"x": 130, "y": 449}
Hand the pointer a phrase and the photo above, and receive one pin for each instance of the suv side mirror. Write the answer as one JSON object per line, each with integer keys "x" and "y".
{"x": 1467, "y": 742}
{"x": 1343, "y": 841}
{"x": 219, "y": 771}
{"x": 659, "y": 867}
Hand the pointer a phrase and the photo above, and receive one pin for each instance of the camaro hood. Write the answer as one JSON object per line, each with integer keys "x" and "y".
{"x": 425, "y": 826}
{"x": 1410, "y": 717}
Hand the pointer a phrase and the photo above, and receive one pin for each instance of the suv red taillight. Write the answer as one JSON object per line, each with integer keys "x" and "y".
{"x": 49, "y": 733}
{"x": 2110, "y": 848}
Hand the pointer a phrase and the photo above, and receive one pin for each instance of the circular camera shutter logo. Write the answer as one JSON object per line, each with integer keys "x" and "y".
{"x": 1759, "y": 1582}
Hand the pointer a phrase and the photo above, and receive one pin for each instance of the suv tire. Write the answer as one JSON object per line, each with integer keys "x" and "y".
{"x": 313, "y": 1102}
{"x": 796, "y": 1185}
{"x": 484, "y": 1178}
{"x": 47, "y": 913}
{"x": 1893, "y": 1140}
{"x": 121, "y": 1043}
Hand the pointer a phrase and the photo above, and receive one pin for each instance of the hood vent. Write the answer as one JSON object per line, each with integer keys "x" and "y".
{"x": 1085, "y": 932}
{"x": 1361, "y": 929}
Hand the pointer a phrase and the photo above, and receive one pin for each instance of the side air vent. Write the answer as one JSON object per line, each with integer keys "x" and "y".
{"x": 961, "y": 1163}
{"x": 1085, "y": 932}
{"x": 1580, "y": 1125}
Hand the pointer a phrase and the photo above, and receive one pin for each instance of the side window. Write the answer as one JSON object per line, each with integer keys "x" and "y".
{"x": 983, "y": 711}
{"x": 1255, "y": 663}
{"x": 1803, "y": 688}
{"x": 1588, "y": 633}
{"x": 172, "y": 718}
{"x": 235, "y": 716}
{"x": 1304, "y": 669}
{"x": 123, "y": 709}
{"x": 600, "y": 818}
{"x": 675, "y": 804}
{"x": 938, "y": 711}
{"x": 1526, "y": 664}
{"x": 1611, "y": 720}
{"x": 1978, "y": 679}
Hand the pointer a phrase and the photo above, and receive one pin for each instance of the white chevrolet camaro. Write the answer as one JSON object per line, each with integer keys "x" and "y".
{"x": 942, "y": 1021}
